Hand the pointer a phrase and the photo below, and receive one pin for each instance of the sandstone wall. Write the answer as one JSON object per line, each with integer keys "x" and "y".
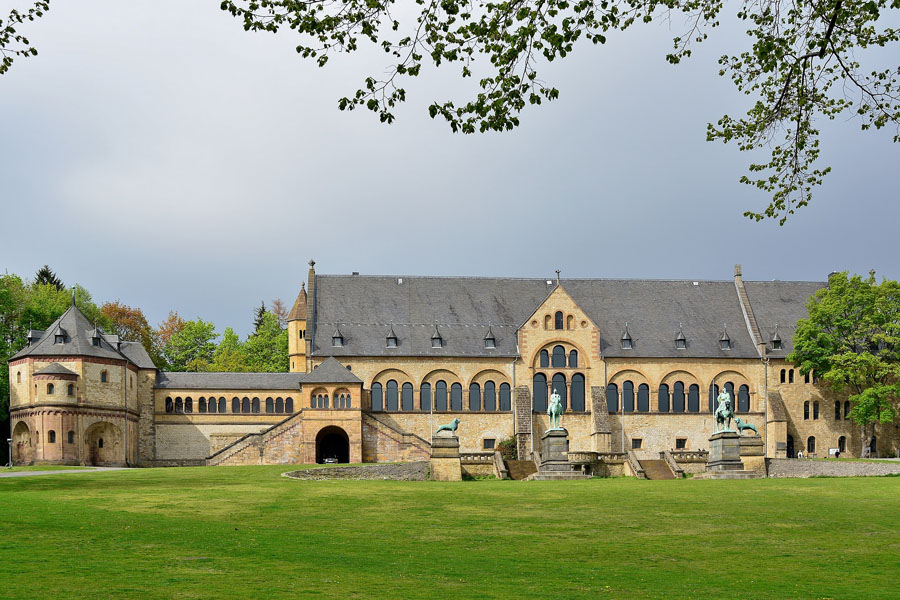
{"x": 786, "y": 467}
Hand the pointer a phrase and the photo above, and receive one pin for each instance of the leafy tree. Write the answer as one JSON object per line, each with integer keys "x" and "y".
{"x": 45, "y": 275}
{"x": 803, "y": 64}
{"x": 267, "y": 349}
{"x": 14, "y": 44}
{"x": 852, "y": 340}
{"x": 230, "y": 354}
{"x": 191, "y": 348}
{"x": 258, "y": 316}
{"x": 131, "y": 325}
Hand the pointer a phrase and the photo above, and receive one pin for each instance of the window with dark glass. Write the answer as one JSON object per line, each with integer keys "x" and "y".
{"x": 811, "y": 444}
{"x": 406, "y": 397}
{"x": 474, "y": 397}
{"x": 490, "y": 396}
{"x": 816, "y": 410}
{"x": 51, "y": 436}
{"x": 643, "y": 398}
{"x": 235, "y": 405}
{"x": 505, "y": 397}
{"x": 662, "y": 401}
{"x": 790, "y": 376}
{"x": 842, "y": 444}
{"x": 456, "y": 401}
{"x": 628, "y": 396}
{"x": 846, "y": 409}
{"x": 391, "y": 396}
{"x": 729, "y": 387}
{"x": 573, "y": 359}
{"x": 50, "y": 389}
{"x": 783, "y": 375}
{"x": 680, "y": 443}
{"x": 245, "y": 405}
{"x": 678, "y": 397}
{"x": 539, "y": 393}
{"x": 170, "y": 406}
{"x": 103, "y": 376}
{"x": 559, "y": 357}
{"x": 545, "y": 359}
{"x": 743, "y": 399}
{"x": 577, "y": 392}
{"x": 377, "y": 400}
{"x": 270, "y": 405}
{"x": 289, "y": 406}
{"x": 558, "y": 320}
{"x": 713, "y": 395}
{"x": 179, "y": 406}
{"x": 255, "y": 405}
{"x": 806, "y": 410}
{"x": 488, "y": 443}
{"x": 279, "y": 405}
{"x": 222, "y": 404}
{"x": 70, "y": 389}
{"x": 71, "y": 437}
{"x": 425, "y": 397}
{"x": 694, "y": 398}
{"x": 440, "y": 396}
{"x": 201, "y": 405}
{"x": 636, "y": 443}
{"x": 612, "y": 398}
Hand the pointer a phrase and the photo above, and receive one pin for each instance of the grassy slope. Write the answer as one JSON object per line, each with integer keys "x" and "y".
{"x": 245, "y": 532}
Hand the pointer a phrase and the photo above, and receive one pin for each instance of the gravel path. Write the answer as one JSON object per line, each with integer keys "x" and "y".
{"x": 415, "y": 471}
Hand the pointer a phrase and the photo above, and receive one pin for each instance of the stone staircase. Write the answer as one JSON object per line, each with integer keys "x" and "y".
{"x": 261, "y": 448}
{"x": 385, "y": 442}
{"x": 657, "y": 469}
{"x": 521, "y": 469}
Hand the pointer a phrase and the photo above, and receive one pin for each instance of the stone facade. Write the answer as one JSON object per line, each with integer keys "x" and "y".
{"x": 374, "y": 401}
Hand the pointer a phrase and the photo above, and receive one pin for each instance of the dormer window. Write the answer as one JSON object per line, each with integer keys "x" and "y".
{"x": 60, "y": 336}
{"x": 436, "y": 340}
{"x": 776, "y": 340}
{"x": 626, "y": 339}
{"x": 95, "y": 337}
{"x": 391, "y": 339}
{"x": 725, "y": 341}
{"x": 680, "y": 340}
{"x": 337, "y": 338}
{"x": 490, "y": 342}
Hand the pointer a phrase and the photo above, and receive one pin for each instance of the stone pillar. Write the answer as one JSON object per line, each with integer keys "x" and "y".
{"x": 445, "y": 464}
{"x": 522, "y": 407}
{"x": 555, "y": 450}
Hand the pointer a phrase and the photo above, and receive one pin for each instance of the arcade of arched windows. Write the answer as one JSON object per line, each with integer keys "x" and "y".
{"x": 677, "y": 392}
{"x": 558, "y": 356}
{"x": 560, "y": 321}
{"x": 212, "y": 405}
{"x": 442, "y": 392}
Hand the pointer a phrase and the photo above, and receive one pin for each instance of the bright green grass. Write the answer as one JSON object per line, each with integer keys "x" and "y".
{"x": 246, "y": 532}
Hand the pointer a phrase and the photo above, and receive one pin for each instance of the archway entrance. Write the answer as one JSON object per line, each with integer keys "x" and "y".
{"x": 332, "y": 445}
{"x": 23, "y": 451}
{"x": 104, "y": 445}
{"x": 790, "y": 446}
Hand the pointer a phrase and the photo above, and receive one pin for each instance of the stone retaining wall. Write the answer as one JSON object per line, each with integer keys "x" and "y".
{"x": 793, "y": 467}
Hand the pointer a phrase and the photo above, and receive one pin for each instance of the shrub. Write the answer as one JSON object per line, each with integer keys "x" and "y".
{"x": 508, "y": 448}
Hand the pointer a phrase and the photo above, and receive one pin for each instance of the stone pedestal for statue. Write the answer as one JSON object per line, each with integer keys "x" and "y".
{"x": 445, "y": 465}
{"x": 725, "y": 451}
{"x": 555, "y": 457}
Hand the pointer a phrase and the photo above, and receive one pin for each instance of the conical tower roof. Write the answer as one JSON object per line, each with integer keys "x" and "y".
{"x": 298, "y": 312}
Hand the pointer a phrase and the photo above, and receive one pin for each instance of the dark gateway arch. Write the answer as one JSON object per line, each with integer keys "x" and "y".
{"x": 332, "y": 443}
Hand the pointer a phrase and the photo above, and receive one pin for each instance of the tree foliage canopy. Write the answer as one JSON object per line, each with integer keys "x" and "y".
{"x": 802, "y": 64}
{"x": 852, "y": 340}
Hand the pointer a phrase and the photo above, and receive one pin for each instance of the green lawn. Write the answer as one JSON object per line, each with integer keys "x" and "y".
{"x": 246, "y": 532}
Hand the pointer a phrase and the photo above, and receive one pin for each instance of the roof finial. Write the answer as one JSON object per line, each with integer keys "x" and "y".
{"x": 557, "y": 277}
{"x": 73, "y": 295}
{"x": 312, "y": 263}
{"x": 302, "y": 285}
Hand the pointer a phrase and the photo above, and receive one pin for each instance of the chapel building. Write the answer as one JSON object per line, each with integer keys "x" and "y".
{"x": 378, "y": 362}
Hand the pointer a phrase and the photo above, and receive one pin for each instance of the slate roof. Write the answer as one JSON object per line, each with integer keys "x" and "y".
{"x": 330, "y": 371}
{"x": 781, "y": 303}
{"x": 77, "y": 343}
{"x": 298, "y": 311}
{"x": 364, "y": 307}
{"x": 55, "y": 369}
{"x": 137, "y": 354}
{"x": 228, "y": 381}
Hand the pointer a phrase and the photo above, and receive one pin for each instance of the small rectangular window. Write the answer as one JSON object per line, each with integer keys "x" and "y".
{"x": 489, "y": 443}
{"x": 680, "y": 443}
{"x": 636, "y": 443}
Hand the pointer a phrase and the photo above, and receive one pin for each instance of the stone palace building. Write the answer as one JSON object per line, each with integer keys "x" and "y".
{"x": 378, "y": 362}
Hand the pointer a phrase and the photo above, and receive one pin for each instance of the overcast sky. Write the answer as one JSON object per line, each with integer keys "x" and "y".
{"x": 157, "y": 154}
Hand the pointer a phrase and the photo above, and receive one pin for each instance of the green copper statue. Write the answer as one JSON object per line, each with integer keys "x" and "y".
{"x": 741, "y": 426}
{"x": 724, "y": 412}
{"x": 555, "y": 411}
{"x": 452, "y": 426}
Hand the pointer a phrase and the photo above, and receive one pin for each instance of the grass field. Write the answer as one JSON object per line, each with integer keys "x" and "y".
{"x": 246, "y": 532}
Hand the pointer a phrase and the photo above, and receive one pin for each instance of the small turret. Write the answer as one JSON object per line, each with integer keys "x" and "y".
{"x": 297, "y": 333}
